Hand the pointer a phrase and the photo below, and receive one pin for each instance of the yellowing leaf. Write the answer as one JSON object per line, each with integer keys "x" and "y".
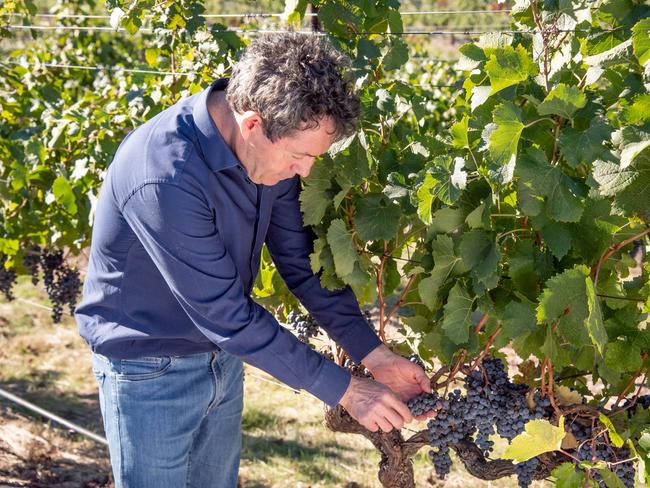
{"x": 566, "y": 396}
{"x": 539, "y": 437}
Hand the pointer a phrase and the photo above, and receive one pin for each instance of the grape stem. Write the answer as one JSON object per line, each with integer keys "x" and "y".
{"x": 570, "y": 455}
{"x": 488, "y": 344}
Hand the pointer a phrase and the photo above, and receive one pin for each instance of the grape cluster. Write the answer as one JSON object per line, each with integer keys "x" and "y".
{"x": 446, "y": 429}
{"x": 304, "y": 325}
{"x": 424, "y": 403}
{"x": 590, "y": 449}
{"x": 32, "y": 261}
{"x": 526, "y": 472}
{"x": 7, "y": 279}
{"x": 491, "y": 404}
{"x": 441, "y": 461}
{"x": 62, "y": 283}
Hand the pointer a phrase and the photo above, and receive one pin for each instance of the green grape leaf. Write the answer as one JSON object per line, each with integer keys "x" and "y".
{"x": 584, "y": 146}
{"x": 629, "y": 185}
{"x": 610, "y": 479}
{"x": 504, "y": 139}
{"x": 458, "y": 131}
{"x": 294, "y": 11}
{"x": 481, "y": 255}
{"x": 518, "y": 319}
{"x": 557, "y": 236}
{"x": 362, "y": 283}
{"x": 614, "y": 436}
{"x": 458, "y": 315}
{"x": 376, "y": 217}
{"x": 619, "y": 54}
{"x": 64, "y": 195}
{"x": 641, "y": 40}
{"x": 509, "y": 66}
{"x": 521, "y": 268}
{"x": 425, "y": 198}
{"x": 314, "y": 202}
{"x": 540, "y": 436}
{"x": 151, "y": 55}
{"x": 539, "y": 180}
{"x": 594, "y": 321}
{"x": 447, "y": 220}
{"x": 446, "y": 264}
{"x": 638, "y": 112}
{"x": 315, "y": 257}
{"x": 397, "y": 54}
{"x": 564, "y": 301}
{"x": 567, "y": 477}
{"x": 623, "y": 357}
{"x": 563, "y": 100}
{"x": 471, "y": 56}
{"x": 342, "y": 246}
{"x": 479, "y": 218}
{"x": 444, "y": 179}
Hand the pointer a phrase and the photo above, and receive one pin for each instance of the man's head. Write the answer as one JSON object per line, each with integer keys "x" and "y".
{"x": 291, "y": 103}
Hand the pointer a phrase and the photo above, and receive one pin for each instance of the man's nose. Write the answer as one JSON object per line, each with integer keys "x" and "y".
{"x": 304, "y": 168}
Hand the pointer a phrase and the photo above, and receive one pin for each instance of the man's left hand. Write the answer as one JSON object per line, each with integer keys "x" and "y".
{"x": 405, "y": 378}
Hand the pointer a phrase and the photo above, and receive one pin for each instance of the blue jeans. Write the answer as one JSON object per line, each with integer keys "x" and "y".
{"x": 172, "y": 421}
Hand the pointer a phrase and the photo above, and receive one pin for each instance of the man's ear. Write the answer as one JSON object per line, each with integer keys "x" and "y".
{"x": 248, "y": 122}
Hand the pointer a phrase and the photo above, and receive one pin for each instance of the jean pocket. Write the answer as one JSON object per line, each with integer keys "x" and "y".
{"x": 144, "y": 368}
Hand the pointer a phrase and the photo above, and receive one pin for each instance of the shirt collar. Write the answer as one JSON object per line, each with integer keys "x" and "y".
{"x": 216, "y": 153}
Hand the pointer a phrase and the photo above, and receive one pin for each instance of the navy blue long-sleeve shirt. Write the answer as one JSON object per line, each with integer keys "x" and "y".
{"x": 176, "y": 246}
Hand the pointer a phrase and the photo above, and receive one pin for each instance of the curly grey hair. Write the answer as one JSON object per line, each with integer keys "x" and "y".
{"x": 293, "y": 80}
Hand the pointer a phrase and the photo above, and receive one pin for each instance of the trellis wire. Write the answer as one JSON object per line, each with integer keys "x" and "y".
{"x": 45, "y": 413}
{"x": 254, "y": 14}
{"x": 305, "y": 32}
{"x": 164, "y": 73}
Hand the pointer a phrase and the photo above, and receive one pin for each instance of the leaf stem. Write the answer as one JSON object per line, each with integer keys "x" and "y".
{"x": 612, "y": 250}
{"x": 530, "y": 124}
{"x": 514, "y": 231}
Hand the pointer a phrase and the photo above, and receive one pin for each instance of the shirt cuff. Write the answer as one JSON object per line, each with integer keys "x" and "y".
{"x": 331, "y": 383}
{"x": 359, "y": 341}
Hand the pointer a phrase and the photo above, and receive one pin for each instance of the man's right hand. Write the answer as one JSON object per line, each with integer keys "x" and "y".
{"x": 374, "y": 405}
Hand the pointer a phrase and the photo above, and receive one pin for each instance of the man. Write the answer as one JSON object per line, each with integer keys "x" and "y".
{"x": 186, "y": 206}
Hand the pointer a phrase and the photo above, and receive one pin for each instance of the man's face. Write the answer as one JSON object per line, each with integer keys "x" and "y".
{"x": 271, "y": 162}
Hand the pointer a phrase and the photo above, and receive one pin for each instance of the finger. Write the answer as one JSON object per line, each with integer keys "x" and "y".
{"x": 384, "y": 425}
{"x": 394, "y": 418}
{"x": 425, "y": 416}
{"x": 401, "y": 408}
{"x": 371, "y": 426}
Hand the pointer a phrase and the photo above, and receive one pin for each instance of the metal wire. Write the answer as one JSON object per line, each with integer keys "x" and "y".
{"x": 41, "y": 411}
{"x": 164, "y": 73}
{"x": 305, "y": 32}
{"x": 253, "y": 14}
{"x": 106, "y": 68}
